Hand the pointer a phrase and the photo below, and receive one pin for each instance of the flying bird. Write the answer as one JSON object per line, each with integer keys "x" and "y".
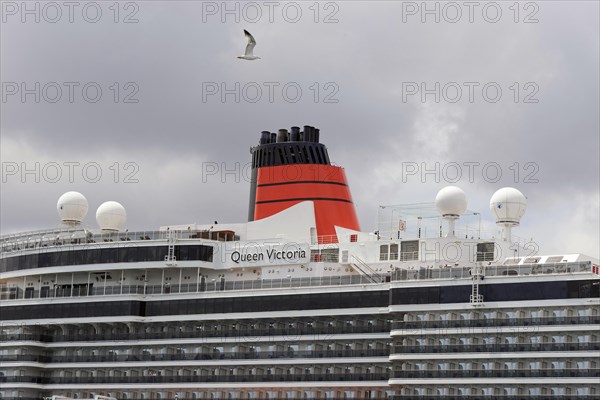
{"x": 248, "y": 55}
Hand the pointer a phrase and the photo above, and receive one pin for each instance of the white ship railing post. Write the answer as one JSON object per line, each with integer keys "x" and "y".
{"x": 180, "y": 271}
{"x": 145, "y": 280}
{"x": 198, "y": 281}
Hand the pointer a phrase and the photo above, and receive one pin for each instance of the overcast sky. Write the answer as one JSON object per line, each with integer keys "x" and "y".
{"x": 514, "y": 89}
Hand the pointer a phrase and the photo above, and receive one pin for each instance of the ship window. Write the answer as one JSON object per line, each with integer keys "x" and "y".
{"x": 554, "y": 259}
{"x": 409, "y": 250}
{"x": 383, "y": 252}
{"x": 104, "y": 255}
{"x": 485, "y": 251}
{"x": 394, "y": 251}
{"x": 200, "y": 306}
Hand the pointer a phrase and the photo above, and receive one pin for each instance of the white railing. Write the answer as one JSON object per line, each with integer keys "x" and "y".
{"x": 450, "y": 272}
{"x": 60, "y": 291}
{"x": 12, "y": 244}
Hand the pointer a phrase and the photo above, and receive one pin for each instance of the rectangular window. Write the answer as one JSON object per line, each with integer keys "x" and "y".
{"x": 383, "y": 252}
{"x": 394, "y": 251}
{"x": 409, "y": 250}
{"x": 485, "y": 251}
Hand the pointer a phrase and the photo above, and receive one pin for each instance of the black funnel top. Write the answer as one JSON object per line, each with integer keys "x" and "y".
{"x": 301, "y": 148}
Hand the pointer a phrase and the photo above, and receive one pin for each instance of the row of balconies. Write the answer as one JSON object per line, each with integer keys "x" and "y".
{"x": 243, "y": 334}
{"x": 198, "y": 356}
{"x": 487, "y": 322}
{"x": 499, "y": 373}
{"x": 84, "y": 289}
{"x": 211, "y": 393}
{"x": 497, "y": 347}
{"x": 348, "y": 377}
{"x": 492, "y": 397}
{"x": 532, "y": 311}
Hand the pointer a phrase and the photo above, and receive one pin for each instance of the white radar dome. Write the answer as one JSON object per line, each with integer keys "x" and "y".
{"x": 72, "y": 207}
{"x": 451, "y": 200}
{"x": 508, "y": 206}
{"x": 111, "y": 216}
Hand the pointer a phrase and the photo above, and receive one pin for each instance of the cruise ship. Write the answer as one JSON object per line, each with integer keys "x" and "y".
{"x": 298, "y": 302}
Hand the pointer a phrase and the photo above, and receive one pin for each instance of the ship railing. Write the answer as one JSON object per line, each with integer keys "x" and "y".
{"x": 500, "y": 373}
{"x": 460, "y": 232}
{"x": 458, "y": 272}
{"x": 325, "y": 239}
{"x": 497, "y": 347}
{"x": 350, "y": 238}
{"x": 233, "y": 355}
{"x": 416, "y": 326}
{"x": 365, "y": 270}
{"x": 404, "y": 256}
{"x": 324, "y": 257}
{"x": 151, "y": 378}
{"x": 241, "y": 332}
{"x": 14, "y": 245}
{"x": 17, "y": 293}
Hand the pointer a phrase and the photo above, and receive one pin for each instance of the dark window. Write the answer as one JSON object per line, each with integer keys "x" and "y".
{"x": 394, "y": 251}
{"x": 485, "y": 251}
{"x": 495, "y": 292}
{"x": 105, "y": 255}
{"x": 409, "y": 250}
{"x": 383, "y": 252}
{"x": 199, "y": 306}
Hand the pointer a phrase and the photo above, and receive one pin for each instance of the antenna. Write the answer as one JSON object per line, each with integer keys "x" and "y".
{"x": 451, "y": 202}
{"x": 508, "y": 206}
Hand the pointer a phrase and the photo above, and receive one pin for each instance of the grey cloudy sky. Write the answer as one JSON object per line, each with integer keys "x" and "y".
{"x": 532, "y": 113}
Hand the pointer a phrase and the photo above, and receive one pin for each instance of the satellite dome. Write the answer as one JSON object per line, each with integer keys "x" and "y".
{"x": 451, "y": 201}
{"x": 508, "y": 206}
{"x": 72, "y": 207}
{"x": 111, "y": 216}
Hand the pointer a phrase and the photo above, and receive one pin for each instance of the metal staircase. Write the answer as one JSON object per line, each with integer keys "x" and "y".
{"x": 365, "y": 270}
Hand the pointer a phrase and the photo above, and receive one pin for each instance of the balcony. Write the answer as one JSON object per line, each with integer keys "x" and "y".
{"x": 490, "y": 348}
{"x": 495, "y": 373}
{"x": 263, "y": 355}
{"x": 349, "y": 377}
{"x": 488, "y": 322}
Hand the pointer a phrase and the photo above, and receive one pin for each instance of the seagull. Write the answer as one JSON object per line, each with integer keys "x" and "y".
{"x": 249, "y": 48}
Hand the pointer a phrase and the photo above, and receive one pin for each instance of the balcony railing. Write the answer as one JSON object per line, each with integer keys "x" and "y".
{"x": 11, "y": 244}
{"x": 492, "y": 397}
{"x": 348, "y": 377}
{"x": 263, "y": 355}
{"x": 497, "y": 373}
{"x": 458, "y": 272}
{"x": 488, "y": 322}
{"x": 243, "y": 334}
{"x": 15, "y": 293}
{"x": 499, "y": 347}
